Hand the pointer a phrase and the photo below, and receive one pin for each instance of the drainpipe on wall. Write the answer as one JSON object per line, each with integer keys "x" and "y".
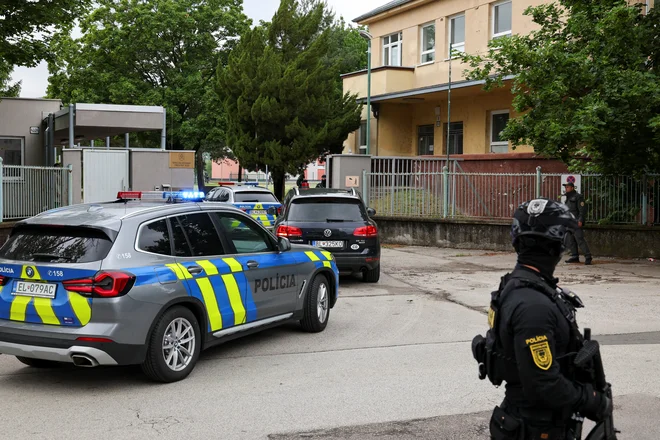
{"x": 71, "y": 129}
{"x": 163, "y": 136}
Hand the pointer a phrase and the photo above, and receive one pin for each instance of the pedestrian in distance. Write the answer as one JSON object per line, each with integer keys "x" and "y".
{"x": 323, "y": 182}
{"x": 533, "y": 337}
{"x": 575, "y": 237}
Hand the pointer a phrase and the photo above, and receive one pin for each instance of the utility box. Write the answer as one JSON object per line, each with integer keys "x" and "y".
{"x": 346, "y": 170}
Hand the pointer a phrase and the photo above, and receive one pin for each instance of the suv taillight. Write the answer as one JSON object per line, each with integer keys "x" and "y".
{"x": 366, "y": 231}
{"x": 104, "y": 284}
{"x": 288, "y": 231}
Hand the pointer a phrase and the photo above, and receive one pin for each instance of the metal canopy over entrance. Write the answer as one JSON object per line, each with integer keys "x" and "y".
{"x": 85, "y": 122}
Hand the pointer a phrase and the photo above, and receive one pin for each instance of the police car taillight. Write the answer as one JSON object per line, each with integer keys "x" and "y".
{"x": 3, "y": 280}
{"x": 104, "y": 285}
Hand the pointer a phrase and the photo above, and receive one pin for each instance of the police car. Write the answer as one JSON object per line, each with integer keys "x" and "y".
{"x": 152, "y": 279}
{"x": 256, "y": 201}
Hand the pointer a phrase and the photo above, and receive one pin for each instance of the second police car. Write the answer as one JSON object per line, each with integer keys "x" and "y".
{"x": 256, "y": 201}
{"x": 150, "y": 282}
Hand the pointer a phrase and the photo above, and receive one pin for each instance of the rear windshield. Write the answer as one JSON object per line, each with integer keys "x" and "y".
{"x": 56, "y": 245}
{"x": 254, "y": 196}
{"x": 326, "y": 210}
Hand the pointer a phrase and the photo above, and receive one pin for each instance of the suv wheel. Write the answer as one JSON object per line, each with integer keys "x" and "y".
{"x": 174, "y": 346}
{"x": 371, "y": 275}
{"x": 317, "y": 306}
{"x": 38, "y": 363}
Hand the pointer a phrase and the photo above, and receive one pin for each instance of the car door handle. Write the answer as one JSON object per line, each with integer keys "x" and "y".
{"x": 252, "y": 264}
{"x": 195, "y": 270}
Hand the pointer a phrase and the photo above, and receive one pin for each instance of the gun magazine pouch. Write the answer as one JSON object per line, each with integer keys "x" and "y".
{"x": 504, "y": 426}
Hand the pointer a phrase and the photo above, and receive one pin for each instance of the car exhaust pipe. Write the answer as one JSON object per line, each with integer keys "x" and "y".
{"x": 83, "y": 360}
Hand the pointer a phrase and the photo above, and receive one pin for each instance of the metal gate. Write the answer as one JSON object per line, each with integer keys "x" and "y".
{"x": 105, "y": 172}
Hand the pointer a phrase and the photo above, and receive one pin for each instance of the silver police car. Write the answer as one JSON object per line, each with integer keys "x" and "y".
{"x": 152, "y": 279}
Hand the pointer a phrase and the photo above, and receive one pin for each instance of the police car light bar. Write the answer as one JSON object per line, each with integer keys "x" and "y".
{"x": 158, "y": 196}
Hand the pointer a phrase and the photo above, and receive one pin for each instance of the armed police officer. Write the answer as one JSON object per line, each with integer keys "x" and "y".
{"x": 533, "y": 336}
{"x": 575, "y": 237}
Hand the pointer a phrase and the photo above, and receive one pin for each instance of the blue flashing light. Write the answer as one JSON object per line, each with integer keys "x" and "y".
{"x": 251, "y": 183}
{"x": 185, "y": 195}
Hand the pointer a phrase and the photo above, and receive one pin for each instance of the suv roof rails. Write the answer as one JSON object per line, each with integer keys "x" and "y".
{"x": 297, "y": 191}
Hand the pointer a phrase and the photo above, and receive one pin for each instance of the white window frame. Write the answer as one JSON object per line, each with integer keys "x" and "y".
{"x": 460, "y": 47}
{"x": 362, "y": 149}
{"x": 648, "y": 6}
{"x": 19, "y": 175}
{"x": 492, "y": 128}
{"x": 421, "y": 44}
{"x": 390, "y": 45}
{"x": 492, "y": 19}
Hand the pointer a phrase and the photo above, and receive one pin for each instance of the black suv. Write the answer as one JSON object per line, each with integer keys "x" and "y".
{"x": 337, "y": 221}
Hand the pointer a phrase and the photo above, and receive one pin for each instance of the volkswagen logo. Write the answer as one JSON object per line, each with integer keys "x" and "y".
{"x": 29, "y": 272}
{"x": 327, "y": 232}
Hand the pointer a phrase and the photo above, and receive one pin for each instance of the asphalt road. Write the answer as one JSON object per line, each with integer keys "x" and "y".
{"x": 394, "y": 363}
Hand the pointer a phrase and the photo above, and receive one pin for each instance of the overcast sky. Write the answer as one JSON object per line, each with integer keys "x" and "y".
{"x": 35, "y": 80}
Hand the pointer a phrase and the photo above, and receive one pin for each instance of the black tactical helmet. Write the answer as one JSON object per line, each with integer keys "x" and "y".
{"x": 542, "y": 218}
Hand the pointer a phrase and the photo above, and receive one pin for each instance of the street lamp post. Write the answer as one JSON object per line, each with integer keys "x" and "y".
{"x": 367, "y": 36}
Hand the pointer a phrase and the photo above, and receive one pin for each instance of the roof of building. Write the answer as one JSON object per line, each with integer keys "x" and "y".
{"x": 379, "y": 10}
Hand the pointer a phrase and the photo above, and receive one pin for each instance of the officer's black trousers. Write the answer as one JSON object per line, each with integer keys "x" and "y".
{"x": 575, "y": 237}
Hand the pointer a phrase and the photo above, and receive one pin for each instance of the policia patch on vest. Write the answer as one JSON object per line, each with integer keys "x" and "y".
{"x": 541, "y": 353}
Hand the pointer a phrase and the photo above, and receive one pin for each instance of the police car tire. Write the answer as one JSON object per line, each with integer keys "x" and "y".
{"x": 154, "y": 366}
{"x": 38, "y": 363}
{"x": 371, "y": 275}
{"x": 310, "y": 322}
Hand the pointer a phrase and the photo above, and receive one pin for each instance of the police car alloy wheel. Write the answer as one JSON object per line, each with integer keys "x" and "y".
{"x": 322, "y": 303}
{"x": 316, "y": 309}
{"x": 178, "y": 344}
{"x": 174, "y": 346}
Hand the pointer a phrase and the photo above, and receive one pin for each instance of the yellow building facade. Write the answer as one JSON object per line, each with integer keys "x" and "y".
{"x": 410, "y": 77}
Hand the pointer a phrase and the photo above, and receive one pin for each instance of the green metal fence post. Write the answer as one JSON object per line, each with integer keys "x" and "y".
{"x": 445, "y": 191}
{"x": 539, "y": 180}
{"x": 365, "y": 189}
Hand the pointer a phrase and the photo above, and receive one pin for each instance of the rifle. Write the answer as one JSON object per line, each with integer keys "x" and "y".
{"x": 590, "y": 351}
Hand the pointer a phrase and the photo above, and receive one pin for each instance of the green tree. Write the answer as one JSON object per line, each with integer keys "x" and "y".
{"x": 154, "y": 52}
{"x": 280, "y": 93}
{"x": 26, "y": 28}
{"x": 586, "y": 83}
{"x": 7, "y": 89}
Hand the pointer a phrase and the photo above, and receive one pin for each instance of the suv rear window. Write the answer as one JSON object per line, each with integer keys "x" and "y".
{"x": 56, "y": 245}
{"x": 326, "y": 210}
{"x": 254, "y": 196}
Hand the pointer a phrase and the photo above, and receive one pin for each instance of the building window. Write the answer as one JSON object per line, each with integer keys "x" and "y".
{"x": 428, "y": 43}
{"x": 425, "y": 140}
{"x": 362, "y": 138}
{"x": 455, "y": 137}
{"x": 648, "y": 6}
{"x": 392, "y": 50}
{"x": 11, "y": 150}
{"x": 498, "y": 121}
{"x": 502, "y": 19}
{"x": 457, "y": 34}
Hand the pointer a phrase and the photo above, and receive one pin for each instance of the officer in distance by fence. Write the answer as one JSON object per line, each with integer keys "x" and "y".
{"x": 575, "y": 237}
{"x": 533, "y": 337}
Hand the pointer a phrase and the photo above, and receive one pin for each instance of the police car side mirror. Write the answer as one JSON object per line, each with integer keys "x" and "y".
{"x": 272, "y": 211}
{"x": 284, "y": 244}
{"x": 371, "y": 212}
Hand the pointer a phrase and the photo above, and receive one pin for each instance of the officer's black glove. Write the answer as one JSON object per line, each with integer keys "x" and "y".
{"x": 597, "y": 405}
